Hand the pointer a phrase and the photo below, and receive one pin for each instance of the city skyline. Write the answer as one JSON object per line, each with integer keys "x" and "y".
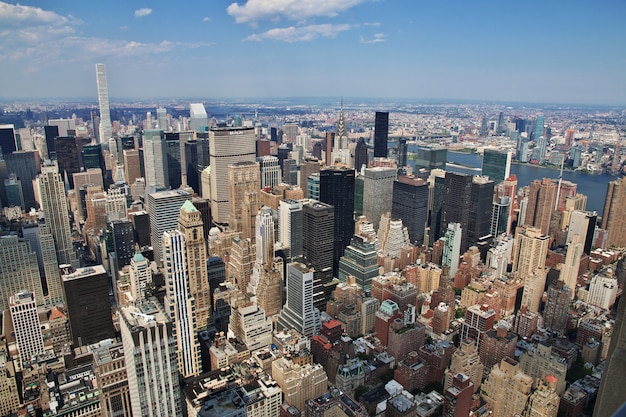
{"x": 557, "y": 53}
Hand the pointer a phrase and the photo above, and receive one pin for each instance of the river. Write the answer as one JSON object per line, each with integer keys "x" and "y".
{"x": 593, "y": 186}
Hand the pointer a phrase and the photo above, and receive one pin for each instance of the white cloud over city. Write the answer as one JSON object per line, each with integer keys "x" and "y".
{"x": 256, "y": 10}
{"x": 300, "y": 34}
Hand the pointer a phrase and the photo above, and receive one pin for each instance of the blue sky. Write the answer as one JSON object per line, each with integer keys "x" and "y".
{"x": 537, "y": 51}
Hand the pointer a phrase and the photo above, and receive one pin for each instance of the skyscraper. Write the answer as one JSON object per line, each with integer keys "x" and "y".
{"x": 7, "y": 139}
{"x": 614, "y": 214}
{"x": 538, "y": 127}
{"x": 500, "y": 216}
{"x": 88, "y": 305}
{"x": 26, "y": 165}
{"x": 164, "y": 208}
{"x": 244, "y": 183}
{"x": 530, "y": 250}
{"x": 191, "y": 225}
{"x": 337, "y": 189}
{"x": 290, "y": 226}
{"x": 93, "y": 158}
{"x": 227, "y": 146}
{"x": 132, "y": 165}
{"x": 150, "y": 353}
{"x": 377, "y": 192}
{"x": 266, "y": 283}
{"x": 199, "y": 120}
{"x": 155, "y": 159}
{"x": 360, "y": 261}
{"x": 180, "y": 304}
{"x": 317, "y": 247}
{"x": 541, "y": 204}
{"x": 452, "y": 247}
{"x": 68, "y": 156}
{"x": 162, "y": 119}
{"x": 569, "y": 270}
{"x": 556, "y": 310}
{"x": 298, "y": 312}
{"x": 105, "y": 130}
{"x": 360, "y": 155}
{"x": 140, "y": 276}
{"x": 26, "y": 325}
{"x": 534, "y": 283}
{"x": 381, "y": 133}
{"x": 123, "y": 241}
{"x": 496, "y": 164}
{"x": 410, "y": 204}
{"x": 270, "y": 171}
{"x": 54, "y": 205}
{"x": 173, "y": 158}
{"x": 467, "y": 200}
{"x": 610, "y": 397}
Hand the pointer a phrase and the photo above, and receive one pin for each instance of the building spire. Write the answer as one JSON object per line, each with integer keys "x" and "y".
{"x": 341, "y": 135}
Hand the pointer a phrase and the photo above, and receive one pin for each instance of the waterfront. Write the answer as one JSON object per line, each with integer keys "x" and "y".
{"x": 593, "y": 186}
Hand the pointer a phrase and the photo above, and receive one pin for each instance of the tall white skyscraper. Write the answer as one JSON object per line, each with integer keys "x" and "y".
{"x": 180, "y": 304}
{"x": 452, "y": 247}
{"x": 298, "y": 312}
{"x": 51, "y": 193}
{"x": 290, "y": 226}
{"x": 264, "y": 236}
{"x": 150, "y": 354}
{"x": 569, "y": 271}
{"x": 106, "y": 131}
{"x": 199, "y": 119}
{"x": 164, "y": 209}
{"x": 155, "y": 159}
{"x": 26, "y": 324}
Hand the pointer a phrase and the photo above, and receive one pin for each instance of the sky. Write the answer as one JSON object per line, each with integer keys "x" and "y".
{"x": 550, "y": 51}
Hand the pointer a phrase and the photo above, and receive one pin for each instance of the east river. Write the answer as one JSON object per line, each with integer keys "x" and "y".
{"x": 593, "y": 186}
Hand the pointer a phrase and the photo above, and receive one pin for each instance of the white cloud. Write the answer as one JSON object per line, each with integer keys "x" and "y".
{"x": 378, "y": 37}
{"x": 255, "y": 10}
{"x": 17, "y": 15}
{"x": 300, "y": 34}
{"x": 145, "y": 11}
{"x": 206, "y": 19}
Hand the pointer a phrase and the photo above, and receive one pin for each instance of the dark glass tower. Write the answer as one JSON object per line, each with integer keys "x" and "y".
{"x": 7, "y": 140}
{"x": 172, "y": 147}
{"x": 317, "y": 247}
{"x": 123, "y": 241}
{"x": 191, "y": 165}
{"x": 88, "y": 305}
{"x": 410, "y": 203}
{"x": 360, "y": 154}
{"x": 431, "y": 158}
{"x": 26, "y": 165}
{"x": 496, "y": 165}
{"x": 93, "y": 158}
{"x": 68, "y": 157}
{"x": 467, "y": 201}
{"x": 337, "y": 189}
{"x": 402, "y": 152}
{"x": 436, "y": 209}
{"x": 51, "y": 132}
{"x": 360, "y": 260}
{"x": 381, "y": 134}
